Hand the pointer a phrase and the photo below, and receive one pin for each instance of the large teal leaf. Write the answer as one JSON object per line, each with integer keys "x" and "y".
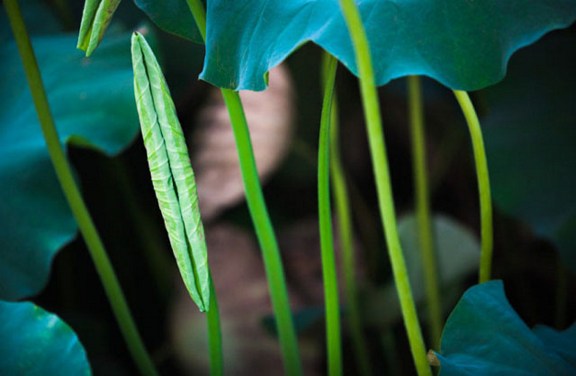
{"x": 173, "y": 16}
{"x": 530, "y": 133}
{"x": 36, "y": 342}
{"x": 93, "y": 104}
{"x": 485, "y": 336}
{"x": 463, "y": 44}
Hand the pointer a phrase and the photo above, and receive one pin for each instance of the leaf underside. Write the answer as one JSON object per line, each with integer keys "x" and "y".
{"x": 463, "y": 44}
{"x": 172, "y": 16}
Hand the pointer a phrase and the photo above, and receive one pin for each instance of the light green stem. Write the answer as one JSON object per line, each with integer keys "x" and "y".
{"x": 73, "y": 196}
{"x": 333, "y": 337}
{"x": 422, "y": 205}
{"x": 346, "y": 245}
{"x": 383, "y": 185}
{"x": 260, "y": 218}
{"x": 483, "y": 184}
{"x": 215, "y": 334}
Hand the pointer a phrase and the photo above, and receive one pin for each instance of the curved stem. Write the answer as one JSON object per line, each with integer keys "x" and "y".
{"x": 383, "y": 185}
{"x": 214, "y": 334}
{"x": 333, "y": 337}
{"x": 422, "y": 205}
{"x": 73, "y": 196}
{"x": 486, "y": 232}
{"x": 346, "y": 243}
{"x": 260, "y": 218}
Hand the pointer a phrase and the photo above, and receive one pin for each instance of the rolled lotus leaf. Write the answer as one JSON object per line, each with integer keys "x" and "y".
{"x": 172, "y": 175}
{"x": 96, "y": 16}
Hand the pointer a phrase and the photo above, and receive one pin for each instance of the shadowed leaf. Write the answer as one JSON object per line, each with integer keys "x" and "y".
{"x": 485, "y": 336}
{"x": 530, "y": 133}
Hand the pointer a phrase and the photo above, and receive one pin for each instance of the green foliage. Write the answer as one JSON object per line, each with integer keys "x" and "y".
{"x": 172, "y": 175}
{"x": 485, "y": 336}
{"x": 92, "y": 103}
{"x": 530, "y": 139}
{"x": 463, "y": 44}
{"x": 36, "y": 342}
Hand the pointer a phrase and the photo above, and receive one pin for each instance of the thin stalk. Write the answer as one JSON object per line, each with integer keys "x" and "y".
{"x": 383, "y": 185}
{"x": 486, "y": 233}
{"x": 265, "y": 234}
{"x": 73, "y": 196}
{"x": 214, "y": 334}
{"x": 260, "y": 218}
{"x": 333, "y": 337}
{"x": 422, "y": 205}
{"x": 340, "y": 191}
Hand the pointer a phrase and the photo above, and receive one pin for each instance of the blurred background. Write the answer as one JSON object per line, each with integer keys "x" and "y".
{"x": 529, "y": 127}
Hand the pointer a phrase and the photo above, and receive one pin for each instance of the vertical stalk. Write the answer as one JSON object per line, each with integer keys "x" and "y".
{"x": 265, "y": 234}
{"x": 422, "y": 205}
{"x": 340, "y": 191}
{"x": 383, "y": 185}
{"x": 214, "y": 334}
{"x": 73, "y": 196}
{"x": 333, "y": 337}
{"x": 486, "y": 233}
{"x": 260, "y": 218}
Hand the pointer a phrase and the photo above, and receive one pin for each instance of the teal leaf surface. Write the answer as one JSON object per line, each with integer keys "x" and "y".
{"x": 530, "y": 135}
{"x": 463, "y": 44}
{"x": 485, "y": 336}
{"x": 172, "y": 16}
{"x": 92, "y": 102}
{"x": 36, "y": 342}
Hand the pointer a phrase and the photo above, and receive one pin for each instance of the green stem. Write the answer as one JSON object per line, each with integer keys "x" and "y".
{"x": 214, "y": 334}
{"x": 333, "y": 337}
{"x": 483, "y": 183}
{"x": 348, "y": 263}
{"x": 73, "y": 196}
{"x": 383, "y": 185}
{"x": 265, "y": 234}
{"x": 422, "y": 204}
{"x": 260, "y": 217}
